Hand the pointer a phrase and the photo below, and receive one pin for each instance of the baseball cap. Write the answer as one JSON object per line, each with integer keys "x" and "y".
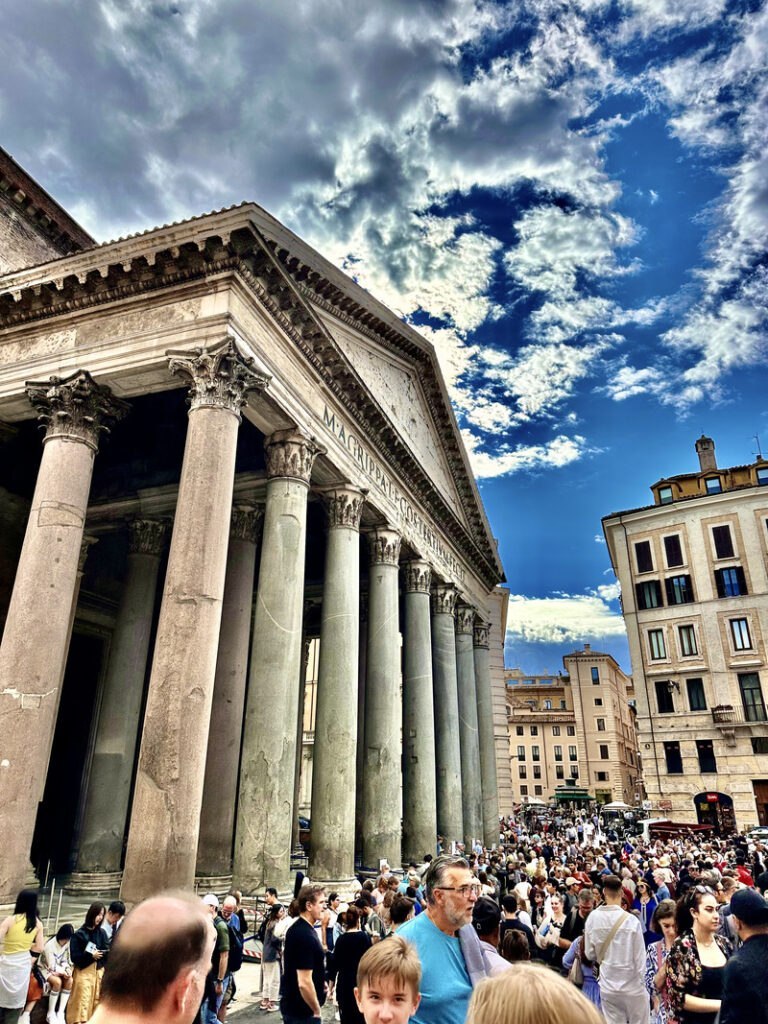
{"x": 571, "y": 881}
{"x": 486, "y": 915}
{"x": 749, "y": 906}
{"x": 211, "y": 900}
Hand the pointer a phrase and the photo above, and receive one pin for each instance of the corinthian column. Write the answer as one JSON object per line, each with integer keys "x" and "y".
{"x": 450, "y": 818}
{"x": 490, "y": 788}
{"x": 332, "y": 856}
{"x": 470, "y": 744}
{"x": 265, "y": 807}
{"x": 36, "y": 637}
{"x": 109, "y": 782}
{"x": 217, "y": 819}
{"x": 165, "y": 818}
{"x": 382, "y": 778}
{"x": 419, "y": 784}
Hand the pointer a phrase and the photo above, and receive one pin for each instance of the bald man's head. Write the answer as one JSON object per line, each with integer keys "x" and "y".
{"x": 162, "y": 938}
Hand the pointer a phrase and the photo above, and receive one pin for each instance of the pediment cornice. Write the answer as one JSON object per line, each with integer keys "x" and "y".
{"x": 289, "y": 288}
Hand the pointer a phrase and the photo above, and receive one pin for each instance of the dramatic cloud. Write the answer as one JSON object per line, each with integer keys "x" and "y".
{"x": 564, "y": 617}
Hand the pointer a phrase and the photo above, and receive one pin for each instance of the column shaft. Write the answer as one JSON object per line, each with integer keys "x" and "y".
{"x": 490, "y": 790}
{"x": 37, "y": 628}
{"x": 382, "y": 774}
{"x": 302, "y": 683}
{"x": 450, "y": 819}
{"x": 165, "y": 818}
{"x": 217, "y": 819}
{"x": 335, "y": 749}
{"x": 468, "y": 735}
{"x": 265, "y": 809}
{"x": 114, "y": 752}
{"x": 362, "y": 645}
{"x": 419, "y": 780}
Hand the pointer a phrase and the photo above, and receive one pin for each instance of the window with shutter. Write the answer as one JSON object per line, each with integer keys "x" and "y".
{"x": 643, "y": 556}
{"x": 673, "y": 551}
{"x": 721, "y": 535}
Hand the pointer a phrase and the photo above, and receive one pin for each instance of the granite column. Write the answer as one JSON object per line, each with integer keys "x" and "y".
{"x": 470, "y": 744}
{"x": 266, "y": 803}
{"x": 217, "y": 819}
{"x": 109, "y": 783}
{"x": 37, "y": 628}
{"x": 490, "y": 788}
{"x": 419, "y": 780}
{"x": 450, "y": 819}
{"x": 382, "y": 761}
{"x": 165, "y": 818}
{"x": 332, "y": 858}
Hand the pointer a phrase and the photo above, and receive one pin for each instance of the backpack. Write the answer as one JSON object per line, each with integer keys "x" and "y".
{"x": 235, "y": 959}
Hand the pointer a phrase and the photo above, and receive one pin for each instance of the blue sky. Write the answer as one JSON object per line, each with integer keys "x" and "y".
{"x": 568, "y": 197}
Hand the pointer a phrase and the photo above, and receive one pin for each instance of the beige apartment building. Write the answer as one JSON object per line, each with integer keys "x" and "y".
{"x": 574, "y": 730}
{"x": 694, "y": 582}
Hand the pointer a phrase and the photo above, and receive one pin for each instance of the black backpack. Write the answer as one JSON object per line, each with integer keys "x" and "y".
{"x": 235, "y": 959}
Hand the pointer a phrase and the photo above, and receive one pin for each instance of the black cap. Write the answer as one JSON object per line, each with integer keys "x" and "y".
{"x": 749, "y": 906}
{"x": 486, "y": 915}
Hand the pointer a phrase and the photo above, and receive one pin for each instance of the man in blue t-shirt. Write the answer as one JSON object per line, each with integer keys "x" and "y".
{"x": 451, "y": 892}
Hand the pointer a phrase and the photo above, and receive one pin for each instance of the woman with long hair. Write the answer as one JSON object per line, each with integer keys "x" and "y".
{"x": 21, "y": 940}
{"x": 87, "y": 949}
{"x": 530, "y": 992}
{"x": 644, "y": 905}
{"x": 664, "y": 922}
{"x": 56, "y": 968}
{"x": 696, "y": 961}
{"x": 347, "y": 954}
{"x": 270, "y": 960}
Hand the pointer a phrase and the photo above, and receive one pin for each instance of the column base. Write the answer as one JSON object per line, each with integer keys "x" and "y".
{"x": 93, "y": 883}
{"x": 220, "y": 884}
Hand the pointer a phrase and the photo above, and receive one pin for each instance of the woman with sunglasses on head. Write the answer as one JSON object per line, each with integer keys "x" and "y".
{"x": 696, "y": 961}
{"x": 644, "y": 905}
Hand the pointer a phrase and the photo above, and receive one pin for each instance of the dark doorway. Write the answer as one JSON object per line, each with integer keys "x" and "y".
{"x": 715, "y": 809}
{"x": 760, "y": 789}
{"x": 57, "y": 813}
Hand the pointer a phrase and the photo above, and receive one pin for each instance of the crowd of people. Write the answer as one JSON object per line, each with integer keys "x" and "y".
{"x": 556, "y": 924}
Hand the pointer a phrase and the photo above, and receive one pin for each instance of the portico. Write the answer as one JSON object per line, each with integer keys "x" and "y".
{"x": 240, "y": 426}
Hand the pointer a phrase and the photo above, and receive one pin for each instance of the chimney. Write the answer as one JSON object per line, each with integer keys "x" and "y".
{"x": 705, "y": 449}
{"x": 587, "y": 648}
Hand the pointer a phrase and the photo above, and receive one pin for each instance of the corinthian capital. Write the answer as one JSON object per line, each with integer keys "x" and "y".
{"x": 418, "y": 577}
{"x": 291, "y": 454}
{"x": 385, "y": 547}
{"x": 75, "y": 407}
{"x": 345, "y": 506}
{"x": 148, "y": 536}
{"x": 220, "y": 377}
{"x": 443, "y": 599}
{"x": 482, "y": 631}
{"x": 465, "y": 618}
{"x": 246, "y": 523}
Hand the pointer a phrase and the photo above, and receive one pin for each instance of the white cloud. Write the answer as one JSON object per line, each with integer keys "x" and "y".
{"x": 564, "y": 617}
{"x": 508, "y": 459}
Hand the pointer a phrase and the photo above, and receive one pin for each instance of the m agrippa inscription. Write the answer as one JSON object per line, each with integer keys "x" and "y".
{"x": 410, "y": 521}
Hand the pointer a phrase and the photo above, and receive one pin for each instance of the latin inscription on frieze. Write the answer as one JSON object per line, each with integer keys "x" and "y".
{"x": 411, "y": 523}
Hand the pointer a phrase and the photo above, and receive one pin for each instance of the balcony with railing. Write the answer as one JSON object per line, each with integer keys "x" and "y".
{"x": 730, "y": 717}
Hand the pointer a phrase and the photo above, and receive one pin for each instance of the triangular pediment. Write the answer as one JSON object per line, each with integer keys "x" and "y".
{"x": 395, "y": 385}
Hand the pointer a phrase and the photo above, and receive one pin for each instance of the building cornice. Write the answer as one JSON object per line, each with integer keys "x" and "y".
{"x": 232, "y": 242}
{"x": 40, "y": 209}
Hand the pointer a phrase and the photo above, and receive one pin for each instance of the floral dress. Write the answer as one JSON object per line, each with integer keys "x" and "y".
{"x": 655, "y": 959}
{"x": 685, "y": 975}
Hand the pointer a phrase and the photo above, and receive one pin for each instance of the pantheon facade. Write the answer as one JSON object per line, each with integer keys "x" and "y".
{"x": 216, "y": 447}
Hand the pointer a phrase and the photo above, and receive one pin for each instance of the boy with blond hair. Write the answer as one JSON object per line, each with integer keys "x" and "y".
{"x": 388, "y": 980}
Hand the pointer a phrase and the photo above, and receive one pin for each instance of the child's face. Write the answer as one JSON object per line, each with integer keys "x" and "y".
{"x": 386, "y": 1001}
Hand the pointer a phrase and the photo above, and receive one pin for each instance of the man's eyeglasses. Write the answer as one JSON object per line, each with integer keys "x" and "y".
{"x": 462, "y": 890}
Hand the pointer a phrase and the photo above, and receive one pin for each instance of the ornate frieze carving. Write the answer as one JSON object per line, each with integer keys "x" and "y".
{"x": 465, "y": 618}
{"x": 443, "y": 599}
{"x": 481, "y": 633}
{"x": 148, "y": 536}
{"x": 345, "y": 506}
{"x": 220, "y": 377}
{"x": 384, "y": 546}
{"x": 291, "y": 454}
{"x": 417, "y": 576}
{"x": 75, "y": 407}
{"x": 247, "y": 523}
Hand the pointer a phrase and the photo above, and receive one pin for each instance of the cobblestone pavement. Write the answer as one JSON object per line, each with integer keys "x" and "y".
{"x": 245, "y": 1009}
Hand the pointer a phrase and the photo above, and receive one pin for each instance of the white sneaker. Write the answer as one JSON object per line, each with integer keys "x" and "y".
{"x": 24, "y": 1018}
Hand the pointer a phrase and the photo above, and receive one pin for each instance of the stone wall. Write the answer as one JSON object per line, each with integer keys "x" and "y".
{"x": 21, "y": 243}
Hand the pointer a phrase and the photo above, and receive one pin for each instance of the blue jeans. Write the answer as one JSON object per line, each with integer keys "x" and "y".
{"x": 212, "y": 1006}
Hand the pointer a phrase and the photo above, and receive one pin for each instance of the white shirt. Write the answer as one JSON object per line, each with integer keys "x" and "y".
{"x": 623, "y": 966}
